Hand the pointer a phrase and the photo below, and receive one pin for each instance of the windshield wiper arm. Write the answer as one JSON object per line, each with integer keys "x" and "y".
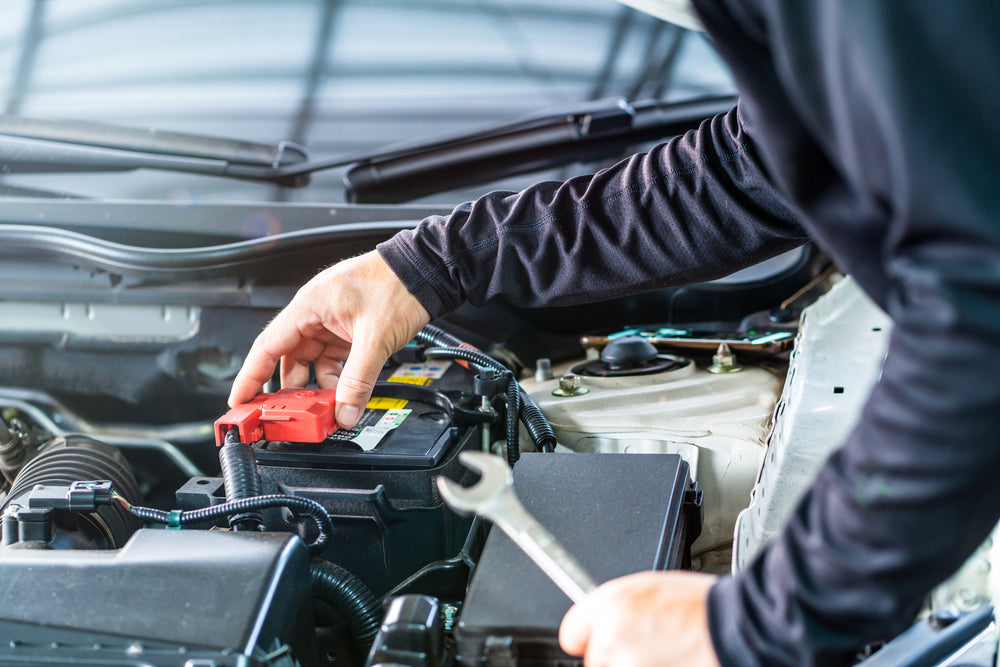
{"x": 596, "y": 131}
{"x": 40, "y": 146}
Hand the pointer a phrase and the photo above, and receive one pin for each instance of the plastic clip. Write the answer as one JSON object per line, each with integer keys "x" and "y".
{"x": 174, "y": 520}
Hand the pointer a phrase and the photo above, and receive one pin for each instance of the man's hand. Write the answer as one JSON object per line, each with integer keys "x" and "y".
{"x": 642, "y": 620}
{"x": 347, "y": 320}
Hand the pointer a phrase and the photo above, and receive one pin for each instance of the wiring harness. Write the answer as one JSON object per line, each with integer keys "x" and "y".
{"x": 519, "y": 404}
{"x": 179, "y": 518}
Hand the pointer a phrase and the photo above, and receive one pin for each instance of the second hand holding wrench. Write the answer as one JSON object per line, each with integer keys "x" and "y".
{"x": 493, "y": 498}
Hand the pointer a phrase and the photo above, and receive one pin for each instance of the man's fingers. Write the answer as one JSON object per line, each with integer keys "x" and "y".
{"x": 294, "y": 373}
{"x": 357, "y": 380}
{"x": 295, "y": 364}
{"x": 643, "y": 620}
{"x": 321, "y": 326}
{"x": 574, "y": 632}
{"x": 328, "y": 371}
{"x": 277, "y": 340}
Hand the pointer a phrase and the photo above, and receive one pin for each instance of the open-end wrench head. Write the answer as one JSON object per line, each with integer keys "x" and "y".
{"x": 495, "y": 480}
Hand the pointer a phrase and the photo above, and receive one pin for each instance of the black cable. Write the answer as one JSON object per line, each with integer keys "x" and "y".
{"x": 473, "y": 356}
{"x": 513, "y": 410}
{"x": 306, "y": 506}
{"x": 349, "y": 596}
{"x": 513, "y": 389}
{"x": 538, "y": 426}
{"x": 239, "y": 476}
{"x": 432, "y": 335}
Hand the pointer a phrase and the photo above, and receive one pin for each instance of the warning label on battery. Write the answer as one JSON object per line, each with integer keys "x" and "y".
{"x": 422, "y": 374}
{"x": 373, "y": 426}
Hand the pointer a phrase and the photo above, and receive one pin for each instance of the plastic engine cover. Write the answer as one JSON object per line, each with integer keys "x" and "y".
{"x": 168, "y": 597}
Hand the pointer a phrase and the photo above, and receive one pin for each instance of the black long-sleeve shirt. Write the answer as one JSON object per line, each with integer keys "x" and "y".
{"x": 867, "y": 125}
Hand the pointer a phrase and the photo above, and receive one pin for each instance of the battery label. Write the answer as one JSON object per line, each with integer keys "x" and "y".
{"x": 422, "y": 374}
{"x": 373, "y": 426}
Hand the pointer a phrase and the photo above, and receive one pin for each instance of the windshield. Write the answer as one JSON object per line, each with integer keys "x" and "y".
{"x": 339, "y": 76}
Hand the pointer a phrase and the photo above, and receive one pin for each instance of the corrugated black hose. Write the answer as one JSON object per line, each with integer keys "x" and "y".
{"x": 432, "y": 335}
{"x": 513, "y": 408}
{"x": 350, "y": 598}
{"x": 239, "y": 476}
{"x": 538, "y": 426}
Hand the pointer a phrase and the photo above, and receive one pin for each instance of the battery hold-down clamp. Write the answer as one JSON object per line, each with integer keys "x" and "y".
{"x": 288, "y": 415}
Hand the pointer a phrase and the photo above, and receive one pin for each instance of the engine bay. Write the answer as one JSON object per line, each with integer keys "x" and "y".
{"x": 371, "y": 528}
{"x": 273, "y": 537}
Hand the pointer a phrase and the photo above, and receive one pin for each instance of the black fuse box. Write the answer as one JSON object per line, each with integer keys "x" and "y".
{"x": 616, "y": 513}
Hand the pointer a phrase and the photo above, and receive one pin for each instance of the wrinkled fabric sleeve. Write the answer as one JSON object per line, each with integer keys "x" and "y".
{"x": 692, "y": 209}
{"x": 915, "y": 488}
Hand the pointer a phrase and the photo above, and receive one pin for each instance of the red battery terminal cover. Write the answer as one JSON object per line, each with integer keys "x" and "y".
{"x": 290, "y": 415}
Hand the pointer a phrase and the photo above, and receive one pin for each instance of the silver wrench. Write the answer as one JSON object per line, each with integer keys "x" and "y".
{"x": 493, "y": 498}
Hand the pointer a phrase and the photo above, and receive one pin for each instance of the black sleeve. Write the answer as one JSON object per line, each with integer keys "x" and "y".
{"x": 696, "y": 208}
{"x": 914, "y": 490}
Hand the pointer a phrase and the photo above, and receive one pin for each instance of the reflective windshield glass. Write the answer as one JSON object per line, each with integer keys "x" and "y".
{"x": 340, "y": 76}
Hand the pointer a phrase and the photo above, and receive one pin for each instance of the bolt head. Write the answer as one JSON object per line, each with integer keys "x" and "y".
{"x": 569, "y": 382}
{"x": 570, "y": 385}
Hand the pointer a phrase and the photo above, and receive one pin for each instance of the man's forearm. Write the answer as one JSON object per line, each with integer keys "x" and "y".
{"x": 693, "y": 209}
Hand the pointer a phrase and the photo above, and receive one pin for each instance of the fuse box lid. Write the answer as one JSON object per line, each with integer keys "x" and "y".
{"x": 615, "y": 513}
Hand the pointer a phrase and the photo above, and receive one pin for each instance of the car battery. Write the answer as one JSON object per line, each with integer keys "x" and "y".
{"x": 615, "y": 513}
{"x": 377, "y": 478}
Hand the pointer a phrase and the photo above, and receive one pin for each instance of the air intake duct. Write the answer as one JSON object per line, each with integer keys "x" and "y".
{"x": 75, "y": 458}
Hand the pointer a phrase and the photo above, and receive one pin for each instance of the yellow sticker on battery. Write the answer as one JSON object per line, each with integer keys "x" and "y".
{"x": 385, "y": 403}
{"x": 404, "y": 379}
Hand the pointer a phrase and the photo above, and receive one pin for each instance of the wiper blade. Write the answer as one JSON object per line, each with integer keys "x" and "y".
{"x": 41, "y": 146}
{"x": 596, "y": 131}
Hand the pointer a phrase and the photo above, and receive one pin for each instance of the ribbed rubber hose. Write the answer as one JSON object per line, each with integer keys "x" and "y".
{"x": 513, "y": 408}
{"x": 239, "y": 476}
{"x": 72, "y": 458}
{"x": 306, "y": 506}
{"x": 350, "y": 598}
{"x": 432, "y": 335}
{"x": 538, "y": 426}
